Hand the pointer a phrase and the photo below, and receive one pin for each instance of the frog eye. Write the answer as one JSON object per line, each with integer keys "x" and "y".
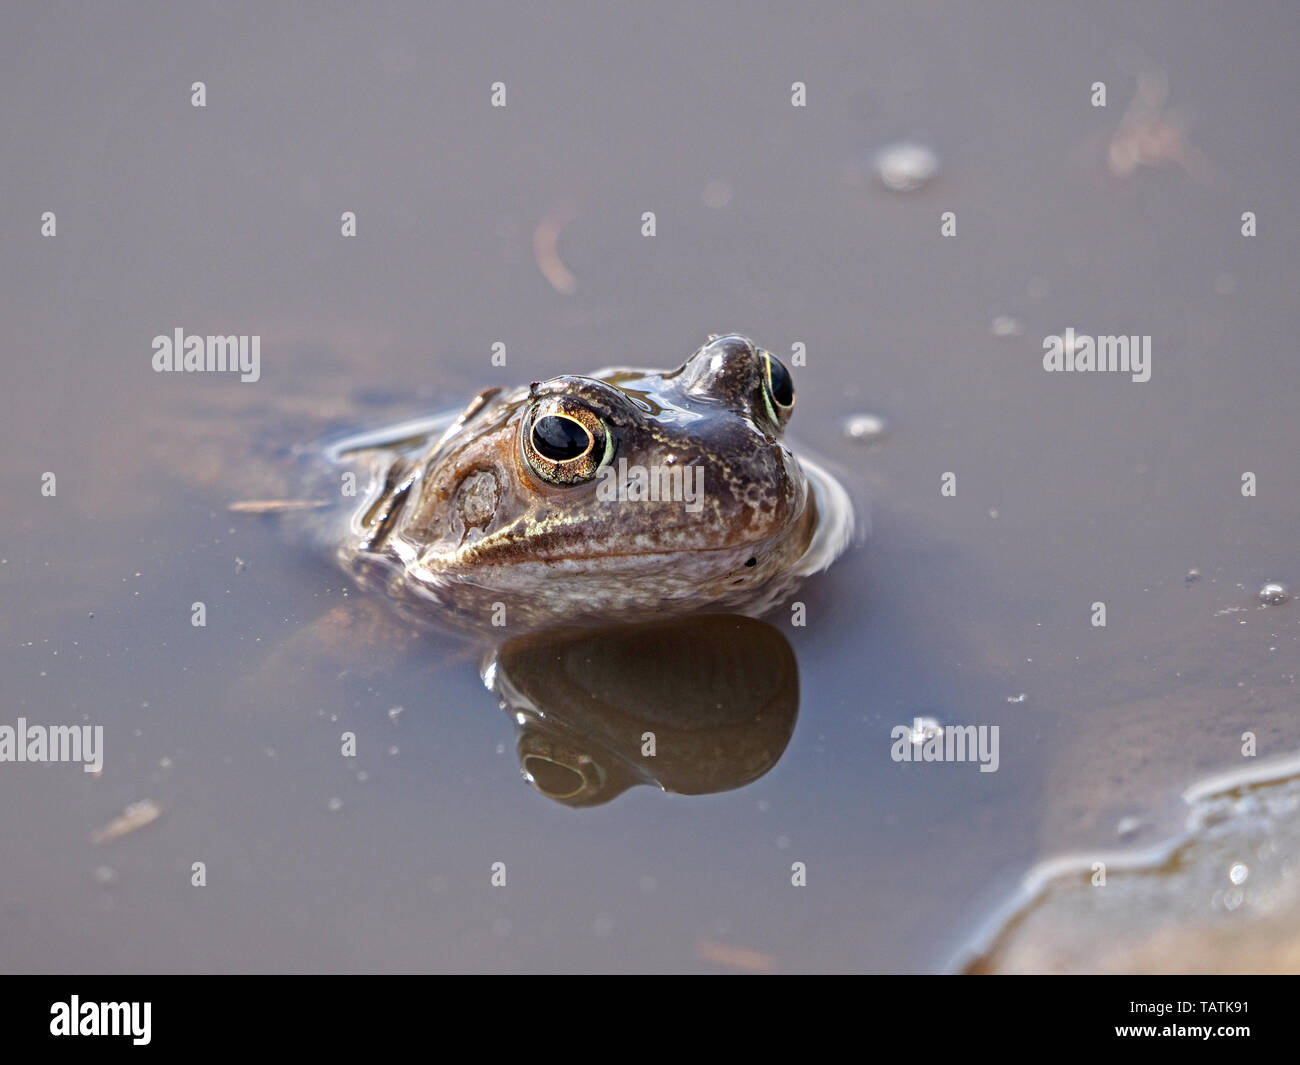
{"x": 778, "y": 388}
{"x": 564, "y": 442}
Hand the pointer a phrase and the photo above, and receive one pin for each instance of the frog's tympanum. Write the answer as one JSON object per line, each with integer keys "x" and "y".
{"x": 619, "y": 496}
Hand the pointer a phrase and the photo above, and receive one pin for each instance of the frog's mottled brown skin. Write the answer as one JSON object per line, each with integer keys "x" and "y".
{"x": 454, "y": 525}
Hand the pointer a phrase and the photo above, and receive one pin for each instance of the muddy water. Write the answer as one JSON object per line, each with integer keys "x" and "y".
{"x": 1071, "y": 489}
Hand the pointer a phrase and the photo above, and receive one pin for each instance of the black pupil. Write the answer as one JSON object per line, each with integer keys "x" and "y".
{"x": 782, "y": 385}
{"x": 560, "y": 439}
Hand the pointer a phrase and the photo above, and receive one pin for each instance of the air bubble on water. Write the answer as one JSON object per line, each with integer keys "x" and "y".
{"x": 362, "y": 776}
{"x": 394, "y": 712}
{"x": 393, "y": 751}
{"x": 1017, "y": 698}
{"x": 1005, "y": 327}
{"x": 906, "y": 166}
{"x": 1193, "y": 575}
{"x": 164, "y": 762}
{"x": 1128, "y": 826}
{"x": 335, "y": 805}
{"x": 1238, "y": 873}
{"x": 864, "y": 428}
{"x": 1273, "y": 594}
{"x": 923, "y": 728}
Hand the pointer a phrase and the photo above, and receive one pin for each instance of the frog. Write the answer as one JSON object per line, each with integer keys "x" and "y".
{"x": 515, "y": 517}
{"x": 605, "y": 498}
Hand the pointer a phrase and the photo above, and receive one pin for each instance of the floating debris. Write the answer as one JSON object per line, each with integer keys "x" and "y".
{"x": 275, "y": 506}
{"x": 906, "y": 166}
{"x": 133, "y": 818}
{"x": 546, "y": 238}
{"x": 1152, "y": 134}
{"x": 1193, "y": 575}
{"x": 1238, "y": 873}
{"x": 754, "y": 961}
{"x": 1017, "y": 698}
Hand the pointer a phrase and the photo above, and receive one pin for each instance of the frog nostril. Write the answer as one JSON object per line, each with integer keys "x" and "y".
{"x": 752, "y": 562}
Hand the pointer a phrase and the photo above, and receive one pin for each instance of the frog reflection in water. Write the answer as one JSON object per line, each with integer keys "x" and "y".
{"x": 691, "y": 705}
{"x": 615, "y": 497}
